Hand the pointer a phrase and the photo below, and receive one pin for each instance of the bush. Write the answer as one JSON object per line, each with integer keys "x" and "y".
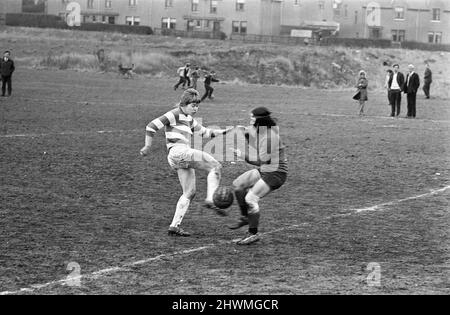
{"x": 425, "y": 46}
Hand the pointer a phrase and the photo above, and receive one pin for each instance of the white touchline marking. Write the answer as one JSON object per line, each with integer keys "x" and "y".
{"x": 125, "y": 267}
{"x": 374, "y": 208}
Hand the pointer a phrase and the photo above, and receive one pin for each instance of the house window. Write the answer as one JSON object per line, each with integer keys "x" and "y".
{"x": 296, "y": 2}
{"x": 111, "y": 20}
{"x": 90, "y": 4}
{"x": 436, "y": 15}
{"x": 398, "y": 35}
{"x": 434, "y": 37}
{"x": 356, "y": 17}
{"x": 133, "y": 20}
{"x": 399, "y": 13}
{"x": 213, "y": 8}
{"x": 239, "y": 27}
{"x": 346, "y": 11}
{"x": 235, "y": 27}
{"x": 437, "y": 37}
{"x": 169, "y": 3}
{"x": 94, "y": 18}
{"x": 132, "y": 3}
{"x": 244, "y": 27}
{"x": 108, "y": 4}
{"x": 168, "y": 23}
{"x": 240, "y": 4}
{"x": 194, "y": 6}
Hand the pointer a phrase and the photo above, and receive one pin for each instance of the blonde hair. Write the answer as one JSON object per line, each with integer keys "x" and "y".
{"x": 189, "y": 96}
{"x": 361, "y": 72}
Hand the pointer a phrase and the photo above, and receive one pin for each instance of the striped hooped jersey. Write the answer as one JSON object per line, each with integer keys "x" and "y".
{"x": 179, "y": 128}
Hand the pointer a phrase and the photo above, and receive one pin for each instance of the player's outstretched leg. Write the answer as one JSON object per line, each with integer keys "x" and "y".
{"x": 204, "y": 161}
{"x": 187, "y": 181}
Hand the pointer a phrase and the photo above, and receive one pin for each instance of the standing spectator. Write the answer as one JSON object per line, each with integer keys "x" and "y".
{"x": 361, "y": 95}
{"x": 411, "y": 86}
{"x": 395, "y": 86}
{"x": 427, "y": 79}
{"x": 182, "y": 73}
{"x": 6, "y": 70}
{"x": 209, "y": 77}
{"x": 195, "y": 75}
{"x": 386, "y": 85}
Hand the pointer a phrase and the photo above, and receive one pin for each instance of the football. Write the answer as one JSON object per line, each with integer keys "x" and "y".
{"x": 223, "y": 197}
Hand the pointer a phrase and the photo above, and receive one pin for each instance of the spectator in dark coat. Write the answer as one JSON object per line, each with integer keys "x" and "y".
{"x": 395, "y": 85}
{"x": 361, "y": 95}
{"x": 412, "y": 84}
{"x": 6, "y": 70}
{"x": 427, "y": 79}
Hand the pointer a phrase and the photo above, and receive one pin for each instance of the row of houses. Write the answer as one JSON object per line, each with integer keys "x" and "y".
{"x": 425, "y": 21}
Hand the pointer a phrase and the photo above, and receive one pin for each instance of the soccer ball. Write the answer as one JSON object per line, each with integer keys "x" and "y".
{"x": 223, "y": 197}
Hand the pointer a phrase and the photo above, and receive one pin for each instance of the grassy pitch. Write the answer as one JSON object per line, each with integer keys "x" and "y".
{"x": 359, "y": 194}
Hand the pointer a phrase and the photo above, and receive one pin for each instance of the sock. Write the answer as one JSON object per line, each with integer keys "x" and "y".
{"x": 182, "y": 207}
{"x": 253, "y": 222}
{"x": 240, "y": 198}
{"x": 212, "y": 184}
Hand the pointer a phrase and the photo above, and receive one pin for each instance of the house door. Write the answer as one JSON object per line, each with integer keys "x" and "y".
{"x": 375, "y": 33}
{"x": 216, "y": 26}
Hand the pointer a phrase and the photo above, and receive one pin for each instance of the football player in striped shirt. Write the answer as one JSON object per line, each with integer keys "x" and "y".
{"x": 179, "y": 127}
{"x": 267, "y": 152}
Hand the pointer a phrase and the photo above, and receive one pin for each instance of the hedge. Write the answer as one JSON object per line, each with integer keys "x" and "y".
{"x": 127, "y": 29}
{"x": 34, "y": 20}
{"x": 425, "y": 46}
{"x": 356, "y": 42}
{"x": 54, "y": 21}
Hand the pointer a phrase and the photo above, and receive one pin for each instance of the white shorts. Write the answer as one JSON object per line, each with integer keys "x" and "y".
{"x": 180, "y": 156}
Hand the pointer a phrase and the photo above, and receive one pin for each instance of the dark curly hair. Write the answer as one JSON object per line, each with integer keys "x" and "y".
{"x": 263, "y": 118}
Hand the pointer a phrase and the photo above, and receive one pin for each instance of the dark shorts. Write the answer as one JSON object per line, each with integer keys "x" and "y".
{"x": 274, "y": 179}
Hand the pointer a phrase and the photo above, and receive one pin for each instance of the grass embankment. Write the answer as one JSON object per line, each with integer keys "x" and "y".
{"x": 317, "y": 67}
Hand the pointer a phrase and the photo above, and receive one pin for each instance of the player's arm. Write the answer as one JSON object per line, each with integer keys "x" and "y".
{"x": 207, "y": 132}
{"x": 151, "y": 130}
